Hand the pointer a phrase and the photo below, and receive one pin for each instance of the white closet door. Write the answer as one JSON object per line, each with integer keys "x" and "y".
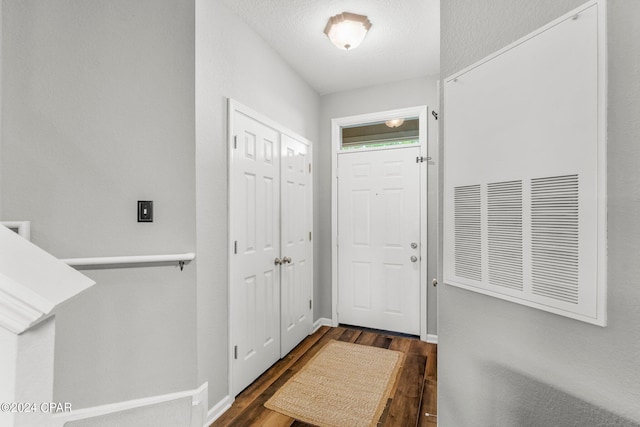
{"x": 255, "y": 231}
{"x": 296, "y": 217}
{"x": 379, "y": 239}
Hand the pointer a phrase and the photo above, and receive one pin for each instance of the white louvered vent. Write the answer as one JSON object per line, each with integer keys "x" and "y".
{"x": 525, "y": 197}
{"x": 468, "y": 235}
{"x": 504, "y": 201}
{"x": 554, "y": 237}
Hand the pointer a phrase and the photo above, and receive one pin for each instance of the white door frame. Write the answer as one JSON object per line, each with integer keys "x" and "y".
{"x": 336, "y": 125}
{"x": 233, "y": 106}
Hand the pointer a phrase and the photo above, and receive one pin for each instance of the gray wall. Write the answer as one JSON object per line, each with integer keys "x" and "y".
{"x": 98, "y": 112}
{"x": 231, "y": 61}
{"x": 407, "y": 93}
{"x": 1, "y": 38}
{"x": 1, "y": 43}
{"x": 502, "y": 364}
{"x": 100, "y": 108}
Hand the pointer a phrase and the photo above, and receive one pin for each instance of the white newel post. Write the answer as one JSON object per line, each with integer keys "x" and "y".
{"x": 33, "y": 284}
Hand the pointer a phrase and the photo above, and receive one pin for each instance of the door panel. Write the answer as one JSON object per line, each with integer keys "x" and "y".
{"x": 254, "y": 278}
{"x": 378, "y": 220}
{"x": 296, "y": 224}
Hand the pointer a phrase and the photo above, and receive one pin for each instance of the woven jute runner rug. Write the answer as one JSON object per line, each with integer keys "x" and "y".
{"x": 343, "y": 385}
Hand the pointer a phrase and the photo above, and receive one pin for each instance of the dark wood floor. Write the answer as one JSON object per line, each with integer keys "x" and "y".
{"x": 412, "y": 402}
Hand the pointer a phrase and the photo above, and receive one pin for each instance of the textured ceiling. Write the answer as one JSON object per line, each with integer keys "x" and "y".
{"x": 404, "y": 41}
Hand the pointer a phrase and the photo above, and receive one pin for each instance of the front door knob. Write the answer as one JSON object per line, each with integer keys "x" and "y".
{"x": 286, "y": 260}
{"x": 414, "y": 258}
{"x": 277, "y": 261}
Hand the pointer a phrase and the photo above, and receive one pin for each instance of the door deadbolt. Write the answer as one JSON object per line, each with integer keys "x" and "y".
{"x": 414, "y": 245}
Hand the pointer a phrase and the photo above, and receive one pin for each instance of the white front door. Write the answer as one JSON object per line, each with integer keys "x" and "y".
{"x": 297, "y": 274}
{"x": 255, "y": 230}
{"x": 379, "y": 239}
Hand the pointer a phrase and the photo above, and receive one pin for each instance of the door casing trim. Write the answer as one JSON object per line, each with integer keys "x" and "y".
{"x": 336, "y": 125}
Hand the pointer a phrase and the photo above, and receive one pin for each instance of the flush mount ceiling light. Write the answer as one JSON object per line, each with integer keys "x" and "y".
{"x": 347, "y": 30}
{"x": 394, "y": 123}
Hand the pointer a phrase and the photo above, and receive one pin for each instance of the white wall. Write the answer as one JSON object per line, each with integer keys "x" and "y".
{"x": 231, "y": 61}
{"x": 97, "y": 113}
{"x": 504, "y": 364}
{"x": 406, "y": 93}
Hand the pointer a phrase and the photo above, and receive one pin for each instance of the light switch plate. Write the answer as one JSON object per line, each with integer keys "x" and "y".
{"x": 145, "y": 210}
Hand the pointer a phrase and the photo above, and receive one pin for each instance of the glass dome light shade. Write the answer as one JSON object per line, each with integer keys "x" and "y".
{"x": 394, "y": 123}
{"x": 347, "y": 30}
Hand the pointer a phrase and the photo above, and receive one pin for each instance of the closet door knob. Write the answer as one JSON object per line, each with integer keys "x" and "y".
{"x": 286, "y": 260}
{"x": 277, "y": 261}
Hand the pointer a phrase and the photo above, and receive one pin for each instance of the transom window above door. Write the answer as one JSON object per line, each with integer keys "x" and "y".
{"x": 392, "y": 132}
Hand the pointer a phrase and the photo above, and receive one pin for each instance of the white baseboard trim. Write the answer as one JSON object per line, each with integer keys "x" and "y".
{"x": 218, "y": 409}
{"x": 199, "y": 404}
{"x": 198, "y": 396}
{"x": 323, "y": 321}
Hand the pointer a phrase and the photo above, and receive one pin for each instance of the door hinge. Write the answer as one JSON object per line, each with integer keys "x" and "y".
{"x": 235, "y": 247}
{"x": 235, "y": 351}
{"x": 235, "y": 141}
{"x": 310, "y": 305}
{"x": 421, "y": 159}
{"x": 309, "y": 236}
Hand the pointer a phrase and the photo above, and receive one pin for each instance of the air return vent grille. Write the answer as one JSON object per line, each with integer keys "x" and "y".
{"x": 554, "y": 237}
{"x": 541, "y": 179}
{"x": 468, "y": 236}
{"x": 504, "y": 204}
